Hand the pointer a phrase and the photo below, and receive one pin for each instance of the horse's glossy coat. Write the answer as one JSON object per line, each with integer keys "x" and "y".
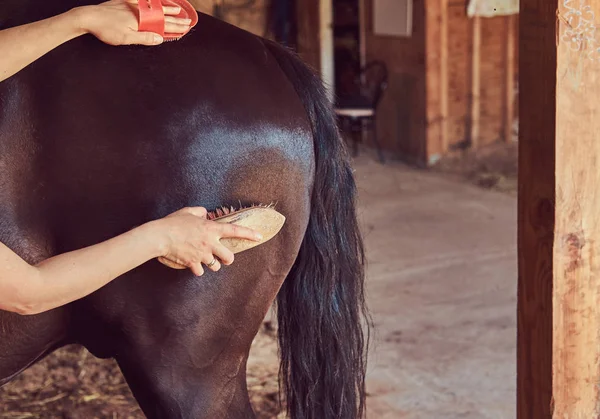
{"x": 95, "y": 140}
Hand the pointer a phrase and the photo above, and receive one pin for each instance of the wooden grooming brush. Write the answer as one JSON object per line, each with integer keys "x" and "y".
{"x": 263, "y": 219}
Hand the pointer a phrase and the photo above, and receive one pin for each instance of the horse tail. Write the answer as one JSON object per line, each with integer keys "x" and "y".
{"x": 321, "y": 311}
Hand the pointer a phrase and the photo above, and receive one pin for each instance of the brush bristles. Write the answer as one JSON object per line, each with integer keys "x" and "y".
{"x": 223, "y": 211}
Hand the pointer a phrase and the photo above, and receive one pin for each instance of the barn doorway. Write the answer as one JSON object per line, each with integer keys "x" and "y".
{"x": 348, "y": 40}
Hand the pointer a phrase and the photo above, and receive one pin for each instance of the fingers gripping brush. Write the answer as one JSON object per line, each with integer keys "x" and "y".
{"x": 263, "y": 219}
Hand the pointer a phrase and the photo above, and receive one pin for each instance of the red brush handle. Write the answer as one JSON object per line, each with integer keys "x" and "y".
{"x": 152, "y": 18}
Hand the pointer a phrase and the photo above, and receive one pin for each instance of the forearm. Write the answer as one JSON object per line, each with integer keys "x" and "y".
{"x": 22, "y": 45}
{"x": 68, "y": 277}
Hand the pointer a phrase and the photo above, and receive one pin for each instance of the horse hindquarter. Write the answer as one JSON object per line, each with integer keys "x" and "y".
{"x": 124, "y": 136}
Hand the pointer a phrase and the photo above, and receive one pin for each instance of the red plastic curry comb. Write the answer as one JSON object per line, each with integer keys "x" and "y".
{"x": 152, "y": 17}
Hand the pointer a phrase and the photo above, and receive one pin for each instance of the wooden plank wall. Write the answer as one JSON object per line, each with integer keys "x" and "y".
{"x": 401, "y": 115}
{"x": 451, "y": 84}
{"x": 482, "y": 68}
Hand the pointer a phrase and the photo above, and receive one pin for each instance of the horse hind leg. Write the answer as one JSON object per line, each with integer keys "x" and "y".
{"x": 186, "y": 354}
{"x": 168, "y": 383}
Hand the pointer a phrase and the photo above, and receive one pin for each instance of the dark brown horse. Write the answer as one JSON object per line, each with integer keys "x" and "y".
{"x": 96, "y": 139}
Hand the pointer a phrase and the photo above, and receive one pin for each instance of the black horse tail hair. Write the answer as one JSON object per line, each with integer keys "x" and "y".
{"x": 324, "y": 324}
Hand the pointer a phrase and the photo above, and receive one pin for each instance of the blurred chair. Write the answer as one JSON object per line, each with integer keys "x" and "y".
{"x": 359, "y": 111}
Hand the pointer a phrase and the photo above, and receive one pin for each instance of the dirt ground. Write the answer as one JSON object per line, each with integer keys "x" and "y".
{"x": 491, "y": 167}
{"x": 72, "y": 384}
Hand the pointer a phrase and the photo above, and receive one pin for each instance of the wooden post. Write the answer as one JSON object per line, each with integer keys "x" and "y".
{"x": 436, "y": 79}
{"x": 577, "y": 272}
{"x": 509, "y": 68}
{"x": 362, "y": 33}
{"x": 444, "y": 78}
{"x": 362, "y": 19}
{"x": 326, "y": 46}
{"x": 475, "y": 80}
{"x": 558, "y": 364}
{"x": 308, "y": 21}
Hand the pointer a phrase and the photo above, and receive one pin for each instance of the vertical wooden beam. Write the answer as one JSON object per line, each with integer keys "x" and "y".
{"x": 576, "y": 383}
{"x": 433, "y": 59}
{"x": 559, "y": 216}
{"x": 436, "y": 79}
{"x": 537, "y": 123}
{"x": 362, "y": 32}
{"x": 309, "y": 46}
{"x": 444, "y": 79}
{"x": 475, "y": 81}
{"x": 509, "y": 71}
{"x": 326, "y": 46}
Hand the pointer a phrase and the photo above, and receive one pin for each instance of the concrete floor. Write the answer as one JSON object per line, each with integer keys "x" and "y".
{"x": 442, "y": 290}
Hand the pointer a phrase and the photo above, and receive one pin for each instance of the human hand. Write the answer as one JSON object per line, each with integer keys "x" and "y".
{"x": 191, "y": 240}
{"x": 115, "y": 22}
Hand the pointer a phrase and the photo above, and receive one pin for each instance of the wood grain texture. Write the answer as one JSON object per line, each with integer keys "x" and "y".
{"x": 444, "y": 63}
{"x": 576, "y": 334}
{"x": 537, "y": 81}
{"x": 492, "y": 79}
{"x": 559, "y": 281}
{"x": 509, "y": 69}
{"x": 475, "y": 80}
{"x": 436, "y": 78}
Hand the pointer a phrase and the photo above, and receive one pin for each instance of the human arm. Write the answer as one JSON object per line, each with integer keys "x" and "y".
{"x": 185, "y": 237}
{"x": 113, "y": 22}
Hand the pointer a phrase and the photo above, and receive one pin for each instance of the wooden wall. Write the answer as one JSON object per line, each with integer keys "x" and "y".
{"x": 441, "y": 96}
{"x": 252, "y": 19}
{"x": 401, "y": 115}
{"x": 491, "y": 68}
